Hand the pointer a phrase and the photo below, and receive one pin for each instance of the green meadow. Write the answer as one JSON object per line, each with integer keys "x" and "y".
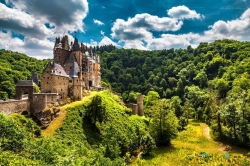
{"x": 194, "y": 146}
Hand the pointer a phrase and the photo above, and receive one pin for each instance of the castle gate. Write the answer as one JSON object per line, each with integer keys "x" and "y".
{"x": 24, "y": 86}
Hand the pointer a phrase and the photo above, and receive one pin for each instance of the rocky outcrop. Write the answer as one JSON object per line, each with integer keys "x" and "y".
{"x": 45, "y": 117}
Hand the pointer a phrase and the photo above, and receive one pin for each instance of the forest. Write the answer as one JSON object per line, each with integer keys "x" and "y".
{"x": 209, "y": 84}
{"x": 15, "y": 66}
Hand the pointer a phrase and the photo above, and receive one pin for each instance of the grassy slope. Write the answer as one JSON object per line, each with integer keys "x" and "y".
{"x": 185, "y": 150}
{"x": 57, "y": 122}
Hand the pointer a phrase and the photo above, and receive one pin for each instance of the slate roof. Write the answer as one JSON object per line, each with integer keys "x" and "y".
{"x": 25, "y": 83}
{"x": 70, "y": 60}
{"x": 57, "y": 69}
{"x": 74, "y": 72}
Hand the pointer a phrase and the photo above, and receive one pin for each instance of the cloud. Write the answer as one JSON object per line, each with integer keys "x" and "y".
{"x": 98, "y": 22}
{"x": 102, "y": 33}
{"x": 65, "y": 16}
{"x": 138, "y": 44}
{"x": 137, "y": 32}
{"x": 139, "y": 27}
{"x": 173, "y": 41}
{"x": 29, "y": 18}
{"x": 22, "y": 22}
{"x": 31, "y": 46}
{"x": 183, "y": 12}
{"x": 106, "y": 41}
{"x": 238, "y": 29}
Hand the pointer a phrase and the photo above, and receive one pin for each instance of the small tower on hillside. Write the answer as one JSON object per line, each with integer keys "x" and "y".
{"x": 140, "y": 105}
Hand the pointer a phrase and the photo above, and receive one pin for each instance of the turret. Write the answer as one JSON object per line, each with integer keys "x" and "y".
{"x": 65, "y": 42}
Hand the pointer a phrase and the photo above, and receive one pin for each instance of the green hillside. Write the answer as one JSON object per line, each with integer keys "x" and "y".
{"x": 209, "y": 84}
{"x": 96, "y": 131}
{"x": 16, "y": 66}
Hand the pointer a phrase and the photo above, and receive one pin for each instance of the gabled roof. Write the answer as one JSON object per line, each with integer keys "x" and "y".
{"x": 57, "y": 69}
{"x": 25, "y": 83}
{"x": 74, "y": 72}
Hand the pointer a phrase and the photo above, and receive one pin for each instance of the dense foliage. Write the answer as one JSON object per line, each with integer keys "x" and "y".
{"x": 99, "y": 131}
{"x": 16, "y": 66}
{"x": 210, "y": 82}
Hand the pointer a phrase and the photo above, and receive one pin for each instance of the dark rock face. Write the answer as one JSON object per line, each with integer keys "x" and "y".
{"x": 45, "y": 117}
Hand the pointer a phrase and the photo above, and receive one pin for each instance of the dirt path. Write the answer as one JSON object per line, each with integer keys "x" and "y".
{"x": 222, "y": 147}
{"x": 206, "y": 130}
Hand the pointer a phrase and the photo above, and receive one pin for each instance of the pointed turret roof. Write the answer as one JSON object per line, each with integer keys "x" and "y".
{"x": 76, "y": 46}
{"x": 74, "y": 72}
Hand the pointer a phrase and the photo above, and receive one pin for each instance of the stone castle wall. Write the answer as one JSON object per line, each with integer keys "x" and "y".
{"x": 60, "y": 56}
{"x": 137, "y": 109}
{"x": 41, "y": 100}
{"x": 133, "y": 107}
{"x": 14, "y": 106}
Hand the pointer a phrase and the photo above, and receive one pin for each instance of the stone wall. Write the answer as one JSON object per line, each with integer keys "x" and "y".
{"x": 133, "y": 107}
{"x": 14, "y": 106}
{"x": 60, "y": 55}
{"x": 41, "y": 100}
{"x": 77, "y": 89}
{"x": 137, "y": 109}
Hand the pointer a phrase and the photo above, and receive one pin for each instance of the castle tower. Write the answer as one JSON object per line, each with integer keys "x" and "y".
{"x": 65, "y": 42}
{"x": 140, "y": 105}
{"x": 75, "y": 74}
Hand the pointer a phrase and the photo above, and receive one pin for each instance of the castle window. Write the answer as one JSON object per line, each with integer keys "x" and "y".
{"x": 70, "y": 81}
{"x": 47, "y": 82}
{"x": 58, "y": 77}
{"x": 61, "y": 90}
{"x": 48, "y": 77}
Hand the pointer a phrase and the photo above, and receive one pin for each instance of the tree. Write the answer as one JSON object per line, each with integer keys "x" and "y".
{"x": 96, "y": 111}
{"x": 151, "y": 97}
{"x": 164, "y": 123}
{"x": 176, "y": 106}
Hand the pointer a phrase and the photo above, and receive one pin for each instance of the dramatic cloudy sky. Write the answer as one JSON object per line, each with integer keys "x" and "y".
{"x": 30, "y": 26}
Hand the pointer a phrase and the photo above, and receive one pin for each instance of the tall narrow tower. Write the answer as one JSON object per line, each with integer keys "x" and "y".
{"x": 140, "y": 105}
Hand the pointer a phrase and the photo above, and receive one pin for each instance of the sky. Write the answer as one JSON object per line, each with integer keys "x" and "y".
{"x": 30, "y": 27}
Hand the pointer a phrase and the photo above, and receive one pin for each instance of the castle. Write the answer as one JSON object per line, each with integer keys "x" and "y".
{"x": 74, "y": 68}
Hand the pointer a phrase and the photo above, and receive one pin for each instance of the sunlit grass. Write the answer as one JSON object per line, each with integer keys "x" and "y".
{"x": 55, "y": 124}
{"x": 187, "y": 147}
{"x": 78, "y": 103}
